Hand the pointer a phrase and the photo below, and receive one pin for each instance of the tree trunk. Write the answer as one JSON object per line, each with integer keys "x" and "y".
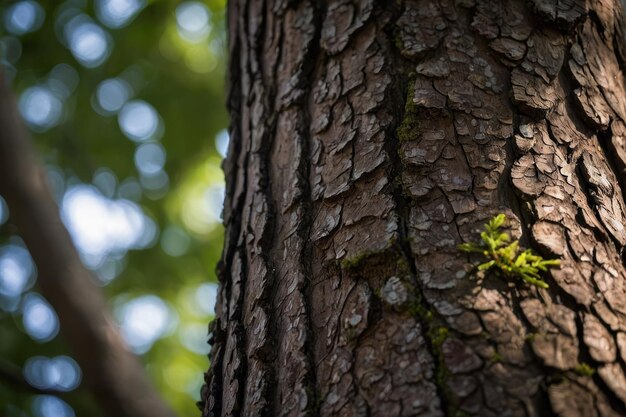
{"x": 370, "y": 139}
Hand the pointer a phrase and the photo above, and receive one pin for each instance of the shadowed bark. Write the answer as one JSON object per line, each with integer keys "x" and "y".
{"x": 368, "y": 140}
{"x": 113, "y": 374}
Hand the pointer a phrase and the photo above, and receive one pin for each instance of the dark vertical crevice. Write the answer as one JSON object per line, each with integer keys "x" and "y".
{"x": 270, "y": 78}
{"x": 428, "y": 329}
{"x": 584, "y": 356}
{"x": 602, "y": 234}
{"x": 267, "y": 239}
{"x": 403, "y": 87}
{"x": 312, "y": 61}
{"x": 540, "y": 399}
{"x": 616, "y": 165}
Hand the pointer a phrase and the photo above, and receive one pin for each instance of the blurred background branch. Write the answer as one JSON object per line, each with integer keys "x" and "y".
{"x": 123, "y": 100}
{"x": 113, "y": 373}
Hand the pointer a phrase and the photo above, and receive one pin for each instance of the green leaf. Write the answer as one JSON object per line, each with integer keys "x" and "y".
{"x": 497, "y": 221}
{"x": 503, "y": 237}
{"x": 470, "y": 247}
{"x": 486, "y": 265}
{"x": 536, "y": 282}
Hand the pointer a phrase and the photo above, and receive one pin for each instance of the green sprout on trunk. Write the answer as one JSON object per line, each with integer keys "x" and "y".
{"x": 504, "y": 257}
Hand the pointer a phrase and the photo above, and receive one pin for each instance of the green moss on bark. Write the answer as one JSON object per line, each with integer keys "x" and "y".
{"x": 410, "y": 127}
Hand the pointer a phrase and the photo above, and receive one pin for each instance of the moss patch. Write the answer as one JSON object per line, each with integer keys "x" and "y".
{"x": 410, "y": 127}
{"x": 355, "y": 261}
{"x": 584, "y": 369}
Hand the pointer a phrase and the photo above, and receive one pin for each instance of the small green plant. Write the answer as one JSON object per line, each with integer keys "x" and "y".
{"x": 584, "y": 369}
{"x": 504, "y": 257}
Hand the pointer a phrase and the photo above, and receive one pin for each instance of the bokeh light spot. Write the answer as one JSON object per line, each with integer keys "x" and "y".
{"x": 221, "y": 142}
{"x": 111, "y": 94}
{"x": 39, "y": 319}
{"x": 99, "y": 225}
{"x": 50, "y": 406}
{"x": 206, "y": 297}
{"x": 56, "y": 181}
{"x": 23, "y": 17}
{"x": 194, "y": 337}
{"x": 215, "y": 201}
{"x": 200, "y": 197}
{"x": 174, "y": 241}
{"x": 4, "y": 211}
{"x": 10, "y": 49}
{"x": 201, "y": 59}
{"x": 138, "y": 120}
{"x": 89, "y": 43}
{"x": 118, "y": 13}
{"x": 129, "y": 189}
{"x": 105, "y": 180}
{"x": 16, "y": 271}
{"x": 63, "y": 80}
{"x": 155, "y": 186}
{"x": 144, "y": 320}
{"x": 40, "y": 108}
{"x": 193, "y": 20}
{"x": 178, "y": 376}
{"x": 60, "y": 373}
{"x": 110, "y": 269}
{"x": 150, "y": 158}
{"x": 150, "y": 233}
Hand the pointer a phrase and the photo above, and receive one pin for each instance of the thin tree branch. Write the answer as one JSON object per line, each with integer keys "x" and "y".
{"x": 111, "y": 371}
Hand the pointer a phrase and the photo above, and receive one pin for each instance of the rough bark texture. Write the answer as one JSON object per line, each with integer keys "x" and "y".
{"x": 369, "y": 139}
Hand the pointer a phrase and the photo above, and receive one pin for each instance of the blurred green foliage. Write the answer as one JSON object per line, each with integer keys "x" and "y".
{"x": 182, "y": 78}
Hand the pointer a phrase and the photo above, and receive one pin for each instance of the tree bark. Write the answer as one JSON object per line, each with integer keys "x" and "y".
{"x": 113, "y": 374}
{"x": 368, "y": 140}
